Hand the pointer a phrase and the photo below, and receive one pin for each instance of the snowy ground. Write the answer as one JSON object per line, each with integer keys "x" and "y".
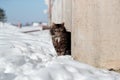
{"x": 31, "y": 56}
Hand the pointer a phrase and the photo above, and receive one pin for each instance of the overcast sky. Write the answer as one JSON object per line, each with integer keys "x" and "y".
{"x": 25, "y": 11}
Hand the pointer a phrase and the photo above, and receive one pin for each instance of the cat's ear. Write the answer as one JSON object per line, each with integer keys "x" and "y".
{"x": 53, "y": 23}
{"x": 63, "y": 23}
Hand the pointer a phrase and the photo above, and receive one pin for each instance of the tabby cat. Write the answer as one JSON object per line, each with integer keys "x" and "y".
{"x": 61, "y": 39}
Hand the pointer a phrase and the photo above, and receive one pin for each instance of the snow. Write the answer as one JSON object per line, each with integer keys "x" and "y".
{"x": 30, "y": 28}
{"x": 31, "y": 56}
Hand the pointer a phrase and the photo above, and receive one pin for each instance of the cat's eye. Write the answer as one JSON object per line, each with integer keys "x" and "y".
{"x": 61, "y": 29}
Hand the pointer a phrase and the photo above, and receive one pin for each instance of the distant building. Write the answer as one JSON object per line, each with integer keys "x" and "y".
{"x": 42, "y": 25}
{"x": 36, "y": 24}
{"x": 19, "y": 25}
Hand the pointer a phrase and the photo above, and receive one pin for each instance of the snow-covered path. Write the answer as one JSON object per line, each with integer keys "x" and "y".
{"x": 32, "y": 56}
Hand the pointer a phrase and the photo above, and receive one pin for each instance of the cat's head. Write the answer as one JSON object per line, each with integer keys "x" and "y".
{"x": 57, "y": 29}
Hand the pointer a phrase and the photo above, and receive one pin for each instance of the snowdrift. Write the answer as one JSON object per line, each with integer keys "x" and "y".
{"x": 31, "y": 56}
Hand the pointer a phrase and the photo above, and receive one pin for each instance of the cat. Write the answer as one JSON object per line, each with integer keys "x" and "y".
{"x": 61, "y": 39}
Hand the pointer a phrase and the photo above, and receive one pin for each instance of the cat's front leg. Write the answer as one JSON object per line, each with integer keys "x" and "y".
{"x": 62, "y": 53}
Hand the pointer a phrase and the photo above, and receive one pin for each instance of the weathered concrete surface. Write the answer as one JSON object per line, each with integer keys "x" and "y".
{"x": 62, "y": 12}
{"x": 96, "y": 31}
{"x": 95, "y": 27}
{"x": 57, "y": 12}
{"x": 67, "y": 14}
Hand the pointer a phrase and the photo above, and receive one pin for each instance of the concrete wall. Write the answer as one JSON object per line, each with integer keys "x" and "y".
{"x": 95, "y": 28}
{"x": 57, "y": 11}
{"x": 62, "y": 12}
{"x": 96, "y": 31}
{"x": 67, "y": 13}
